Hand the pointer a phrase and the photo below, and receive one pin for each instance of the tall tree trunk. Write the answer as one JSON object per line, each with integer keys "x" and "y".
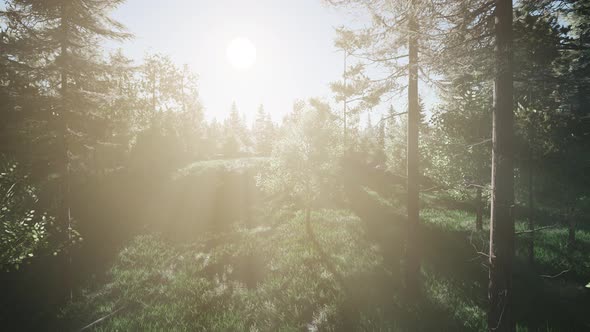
{"x": 502, "y": 220}
{"x": 531, "y": 221}
{"x": 412, "y": 259}
{"x": 65, "y": 207}
{"x": 478, "y": 210}
{"x": 571, "y": 227}
{"x": 345, "y": 102}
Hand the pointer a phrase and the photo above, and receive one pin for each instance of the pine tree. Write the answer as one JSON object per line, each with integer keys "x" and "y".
{"x": 538, "y": 38}
{"x": 62, "y": 38}
{"x": 236, "y": 140}
{"x": 399, "y": 30}
{"x": 460, "y": 146}
{"x": 263, "y": 132}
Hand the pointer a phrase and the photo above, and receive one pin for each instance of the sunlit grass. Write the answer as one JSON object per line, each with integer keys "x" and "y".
{"x": 449, "y": 219}
{"x": 265, "y": 279}
{"x": 463, "y": 308}
{"x": 268, "y": 277}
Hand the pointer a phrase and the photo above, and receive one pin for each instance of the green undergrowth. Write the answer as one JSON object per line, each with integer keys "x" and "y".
{"x": 271, "y": 278}
{"x": 262, "y": 278}
{"x": 549, "y": 293}
{"x": 226, "y": 165}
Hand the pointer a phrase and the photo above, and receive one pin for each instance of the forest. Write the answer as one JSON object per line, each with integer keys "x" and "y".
{"x": 441, "y": 184}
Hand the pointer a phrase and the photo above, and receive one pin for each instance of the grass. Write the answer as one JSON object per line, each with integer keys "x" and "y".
{"x": 449, "y": 220}
{"x": 549, "y": 294}
{"x": 249, "y": 279}
{"x": 267, "y": 277}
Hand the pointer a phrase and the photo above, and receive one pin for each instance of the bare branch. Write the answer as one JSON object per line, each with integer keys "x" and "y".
{"x": 535, "y": 230}
{"x": 102, "y": 319}
{"x": 556, "y": 275}
{"x": 390, "y": 117}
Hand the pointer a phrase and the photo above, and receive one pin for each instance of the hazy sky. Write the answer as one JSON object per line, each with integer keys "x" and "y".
{"x": 294, "y": 40}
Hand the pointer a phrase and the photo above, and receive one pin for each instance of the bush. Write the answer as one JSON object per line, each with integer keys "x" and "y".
{"x": 23, "y": 230}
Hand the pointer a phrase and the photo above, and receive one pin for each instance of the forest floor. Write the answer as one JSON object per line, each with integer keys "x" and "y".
{"x": 265, "y": 276}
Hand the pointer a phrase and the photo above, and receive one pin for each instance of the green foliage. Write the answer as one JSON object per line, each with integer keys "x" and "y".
{"x": 305, "y": 159}
{"x": 72, "y": 116}
{"x": 261, "y": 278}
{"x": 449, "y": 219}
{"x": 551, "y": 251}
{"x": 264, "y": 132}
{"x": 236, "y": 139}
{"x": 459, "y": 143}
{"x": 23, "y": 230}
{"x": 271, "y": 278}
{"x": 447, "y": 295}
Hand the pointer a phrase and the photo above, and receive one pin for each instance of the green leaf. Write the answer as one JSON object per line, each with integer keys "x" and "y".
{"x": 588, "y": 286}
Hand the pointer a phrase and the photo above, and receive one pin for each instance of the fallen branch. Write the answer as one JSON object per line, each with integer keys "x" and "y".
{"x": 479, "y": 143}
{"x": 555, "y": 276}
{"x": 483, "y": 254}
{"x": 102, "y": 319}
{"x": 535, "y": 230}
{"x": 430, "y": 189}
{"x": 469, "y": 185}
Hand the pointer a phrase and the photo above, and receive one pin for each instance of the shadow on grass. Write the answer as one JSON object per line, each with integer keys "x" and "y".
{"x": 454, "y": 296}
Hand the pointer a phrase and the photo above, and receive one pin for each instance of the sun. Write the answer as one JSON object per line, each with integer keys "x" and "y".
{"x": 241, "y": 53}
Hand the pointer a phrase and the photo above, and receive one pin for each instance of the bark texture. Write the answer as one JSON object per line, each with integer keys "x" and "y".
{"x": 501, "y": 253}
{"x": 412, "y": 260}
{"x": 478, "y": 210}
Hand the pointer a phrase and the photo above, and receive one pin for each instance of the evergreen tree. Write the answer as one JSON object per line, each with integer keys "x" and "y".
{"x": 538, "y": 37}
{"x": 304, "y": 161}
{"x": 459, "y": 146}
{"x": 395, "y": 142}
{"x": 402, "y": 31}
{"x": 263, "y": 132}
{"x": 236, "y": 136}
{"x": 55, "y": 44}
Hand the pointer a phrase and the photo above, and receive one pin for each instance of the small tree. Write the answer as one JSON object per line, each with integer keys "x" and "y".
{"x": 303, "y": 165}
{"x": 303, "y": 160}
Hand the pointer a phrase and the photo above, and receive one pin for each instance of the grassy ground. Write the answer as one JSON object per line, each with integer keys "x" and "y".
{"x": 550, "y": 295}
{"x": 263, "y": 274}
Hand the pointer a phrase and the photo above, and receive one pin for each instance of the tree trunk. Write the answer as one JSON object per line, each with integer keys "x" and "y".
{"x": 531, "y": 221}
{"x": 502, "y": 220}
{"x": 345, "y": 102}
{"x": 64, "y": 162}
{"x": 412, "y": 259}
{"x": 571, "y": 226}
{"x": 478, "y": 210}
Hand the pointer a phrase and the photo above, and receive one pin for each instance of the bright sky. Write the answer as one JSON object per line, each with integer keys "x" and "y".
{"x": 294, "y": 40}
